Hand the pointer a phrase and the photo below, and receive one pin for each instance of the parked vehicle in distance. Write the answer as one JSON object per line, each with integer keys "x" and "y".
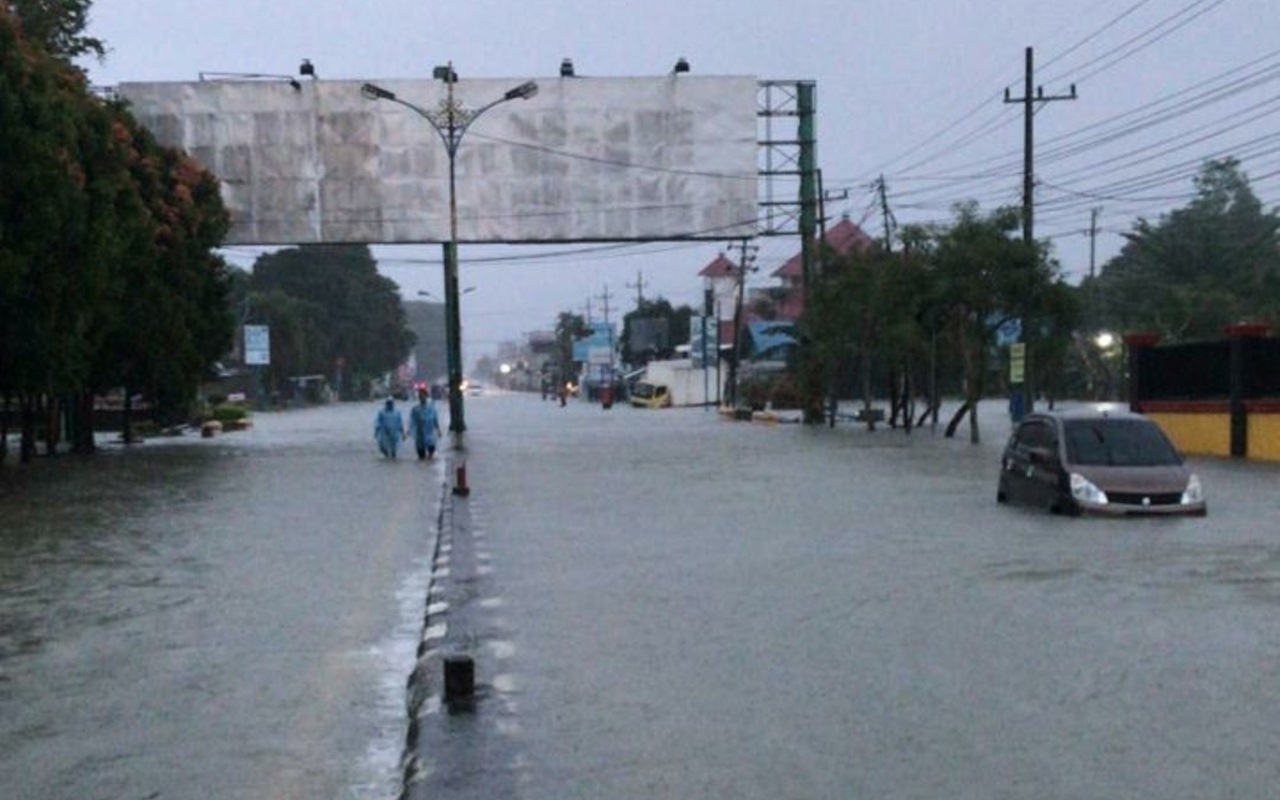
{"x": 1100, "y": 461}
{"x": 650, "y": 395}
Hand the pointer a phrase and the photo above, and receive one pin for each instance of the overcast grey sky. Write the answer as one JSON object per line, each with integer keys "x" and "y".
{"x": 909, "y": 89}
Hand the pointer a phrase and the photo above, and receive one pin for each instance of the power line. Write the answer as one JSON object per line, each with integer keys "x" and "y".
{"x": 1149, "y": 36}
{"x": 1121, "y": 54}
{"x": 1095, "y": 34}
{"x": 1174, "y": 106}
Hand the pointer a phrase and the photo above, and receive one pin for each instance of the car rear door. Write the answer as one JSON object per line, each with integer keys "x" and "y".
{"x": 1031, "y": 462}
{"x": 1046, "y": 465}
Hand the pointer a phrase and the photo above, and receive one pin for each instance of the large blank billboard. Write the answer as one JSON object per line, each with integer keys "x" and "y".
{"x": 586, "y": 159}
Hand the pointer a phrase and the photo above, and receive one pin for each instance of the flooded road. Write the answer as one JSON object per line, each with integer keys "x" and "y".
{"x": 660, "y": 604}
{"x": 229, "y": 618}
{"x": 665, "y": 605}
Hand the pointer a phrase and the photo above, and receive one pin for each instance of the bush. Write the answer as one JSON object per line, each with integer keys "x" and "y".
{"x": 229, "y": 412}
{"x": 145, "y": 428}
{"x": 784, "y": 393}
{"x": 776, "y": 391}
{"x": 754, "y": 393}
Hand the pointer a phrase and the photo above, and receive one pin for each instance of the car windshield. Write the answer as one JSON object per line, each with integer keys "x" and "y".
{"x": 1118, "y": 442}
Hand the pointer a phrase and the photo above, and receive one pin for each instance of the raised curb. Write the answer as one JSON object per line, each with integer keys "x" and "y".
{"x": 423, "y": 679}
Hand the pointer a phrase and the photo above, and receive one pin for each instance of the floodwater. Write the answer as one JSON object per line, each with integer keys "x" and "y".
{"x": 660, "y": 604}
{"x": 666, "y": 605}
{"x": 226, "y": 618}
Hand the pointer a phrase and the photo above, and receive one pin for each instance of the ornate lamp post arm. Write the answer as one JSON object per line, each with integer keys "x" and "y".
{"x": 450, "y": 121}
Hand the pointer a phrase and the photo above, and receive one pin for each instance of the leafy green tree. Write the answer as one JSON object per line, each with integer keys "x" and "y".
{"x": 107, "y": 276}
{"x": 1054, "y": 321}
{"x": 43, "y": 208}
{"x": 56, "y": 25}
{"x": 569, "y": 329}
{"x": 114, "y": 231}
{"x": 678, "y": 322}
{"x": 1198, "y": 268}
{"x": 363, "y": 331}
{"x": 987, "y": 278}
{"x": 172, "y": 273}
{"x": 864, "y": 309}
{"x": 299, "y": 342}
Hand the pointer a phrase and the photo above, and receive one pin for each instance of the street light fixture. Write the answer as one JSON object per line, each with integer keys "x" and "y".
{"x": 450, "y": 120}
{"x": 423, "y": 293}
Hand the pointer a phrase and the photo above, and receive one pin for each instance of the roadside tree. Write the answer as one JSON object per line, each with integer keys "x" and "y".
{"x": 987, "y": 278}
{"x": 57, "y": 26}
{"x": 107, "y": 276}
{"x": 569, "y": 328}
{"x": 652, "y": 330}
{"x": 41, "y": 195}
{"x": 1198, "y": 268}
{"x": 864, "y": 312}
{"x": 363, "y": 331}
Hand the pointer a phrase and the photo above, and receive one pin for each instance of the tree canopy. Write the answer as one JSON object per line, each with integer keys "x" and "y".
{"x": 330, "y": 313}
{"x": 107, "y": 272}
{"x": 663, "y": 328}
{"x": 56, "y": 25}
{"x": 1198, "y": 268}
{"x": 955, "y": 285}
{"x": 569, "y": 328}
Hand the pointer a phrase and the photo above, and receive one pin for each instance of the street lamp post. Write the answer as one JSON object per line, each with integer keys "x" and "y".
{"x": 450, "y": 120}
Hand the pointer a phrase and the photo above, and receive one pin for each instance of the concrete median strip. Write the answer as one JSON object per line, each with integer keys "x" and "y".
{"x": 435, "y": 628}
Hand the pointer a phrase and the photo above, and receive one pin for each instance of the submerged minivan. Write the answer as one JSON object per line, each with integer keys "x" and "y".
{"x": 1099, "y": 461}
{"x": 650, "y": 395}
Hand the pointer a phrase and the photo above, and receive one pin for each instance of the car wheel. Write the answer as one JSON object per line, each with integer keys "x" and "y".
{"x": 1066, "y": 508}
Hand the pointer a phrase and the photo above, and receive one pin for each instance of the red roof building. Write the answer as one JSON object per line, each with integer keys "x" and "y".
{"x": 721, "y": 267}
{"x": 721, "y": 277}
{"x": 843, "y": 238}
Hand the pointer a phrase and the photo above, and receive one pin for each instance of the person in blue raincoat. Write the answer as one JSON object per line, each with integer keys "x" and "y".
{"x": 388, "y": 429}
{"x": 424, "y": 426}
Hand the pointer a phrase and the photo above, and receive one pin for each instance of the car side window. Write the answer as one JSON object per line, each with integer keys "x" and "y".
{"x": 1050, "y": 437}
{"x": 1037, "y": 435}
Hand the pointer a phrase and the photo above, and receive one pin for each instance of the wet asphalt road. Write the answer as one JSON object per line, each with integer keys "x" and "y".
{"x": 665, "y": 605}
{"x": 230, "y": 618}
{"x": 660, "y": 604}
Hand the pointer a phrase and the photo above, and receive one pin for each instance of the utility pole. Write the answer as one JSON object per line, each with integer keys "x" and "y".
{"x": 1022, "y": 396}
{"x": 1093, "y": 239}
{"x": 605, "y": 297}
{"x": 1091, "y": 316}
{"x": 747, "y": 254}
{"x": 889, "y": 221}
{"x": 639, "y": 287}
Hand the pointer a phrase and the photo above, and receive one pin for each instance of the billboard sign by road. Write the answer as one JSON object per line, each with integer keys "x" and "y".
{"x": 257, "y": 345}
{"x": 586, "y": 159}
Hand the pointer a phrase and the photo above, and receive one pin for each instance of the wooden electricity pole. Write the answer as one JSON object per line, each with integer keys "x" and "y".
{"x": 1022, "y": 395}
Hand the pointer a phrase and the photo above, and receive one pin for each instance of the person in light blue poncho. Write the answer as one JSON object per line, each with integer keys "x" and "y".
{"x": 424, "y": 426}
{"x": 388, "y": 429}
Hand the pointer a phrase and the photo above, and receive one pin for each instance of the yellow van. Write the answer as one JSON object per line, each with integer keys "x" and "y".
{"x": 650, "y": 395}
